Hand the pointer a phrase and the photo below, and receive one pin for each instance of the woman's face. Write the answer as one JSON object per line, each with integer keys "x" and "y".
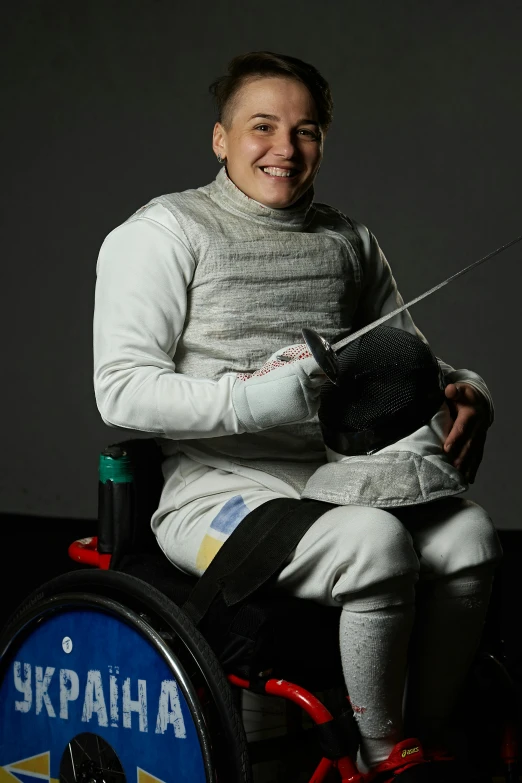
{"x": 274, "y": 146}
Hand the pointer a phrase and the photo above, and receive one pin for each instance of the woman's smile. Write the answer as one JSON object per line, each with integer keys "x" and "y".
{"x": 276, "y": 172}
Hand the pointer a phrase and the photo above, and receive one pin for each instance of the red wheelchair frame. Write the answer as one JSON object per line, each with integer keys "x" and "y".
{"x": 85, "y": 551}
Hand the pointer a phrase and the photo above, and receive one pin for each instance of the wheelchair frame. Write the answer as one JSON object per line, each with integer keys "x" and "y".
{"x": 85, "y": 551}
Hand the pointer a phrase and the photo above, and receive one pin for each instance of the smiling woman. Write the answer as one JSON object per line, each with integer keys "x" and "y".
{"x": 201, "y": 299}
{"x": 275, "y": 161}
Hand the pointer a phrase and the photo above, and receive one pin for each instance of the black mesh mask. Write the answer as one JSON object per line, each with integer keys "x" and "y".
{"x": 390, "y": 384}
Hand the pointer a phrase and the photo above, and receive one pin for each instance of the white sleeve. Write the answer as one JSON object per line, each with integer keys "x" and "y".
{"x": 143, "y": 272}
{"x": 379, "y": 296}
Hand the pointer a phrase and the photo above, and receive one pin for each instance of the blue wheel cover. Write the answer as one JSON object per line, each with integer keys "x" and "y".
{"x": 86, "y": 671}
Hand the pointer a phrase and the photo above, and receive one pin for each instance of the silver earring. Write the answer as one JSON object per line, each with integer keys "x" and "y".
{"x": 220, "y": 159}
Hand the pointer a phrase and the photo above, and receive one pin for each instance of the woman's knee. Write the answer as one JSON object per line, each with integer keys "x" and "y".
{"x": 456, "y": 536}
{"x": 359, "y": 551}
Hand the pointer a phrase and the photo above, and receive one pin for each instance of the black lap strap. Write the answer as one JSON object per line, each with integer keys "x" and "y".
{"x": 254, "y": 552}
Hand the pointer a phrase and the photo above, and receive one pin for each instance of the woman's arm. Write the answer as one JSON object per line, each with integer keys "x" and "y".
{"x": 143, "y": 272}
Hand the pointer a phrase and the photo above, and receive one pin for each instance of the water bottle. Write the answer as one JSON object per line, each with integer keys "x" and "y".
{"x": 115, "y": 503}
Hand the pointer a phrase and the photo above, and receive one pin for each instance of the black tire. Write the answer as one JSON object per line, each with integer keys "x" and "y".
{"x": 229, "y": 750}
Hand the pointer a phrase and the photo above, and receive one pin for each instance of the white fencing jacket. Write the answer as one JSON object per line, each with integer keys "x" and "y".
{"x": 201, "y": 285}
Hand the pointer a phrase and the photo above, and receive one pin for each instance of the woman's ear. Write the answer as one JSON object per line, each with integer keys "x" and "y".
{"x": 219, "y": 140}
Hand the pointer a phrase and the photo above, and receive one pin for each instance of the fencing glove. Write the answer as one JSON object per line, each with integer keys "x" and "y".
{"x": 283, "y": 391}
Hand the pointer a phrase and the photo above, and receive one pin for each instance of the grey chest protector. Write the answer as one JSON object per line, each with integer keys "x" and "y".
{"x": 389, "y": 384}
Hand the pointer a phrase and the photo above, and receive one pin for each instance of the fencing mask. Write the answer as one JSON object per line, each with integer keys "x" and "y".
{"x": 390, "y": 384}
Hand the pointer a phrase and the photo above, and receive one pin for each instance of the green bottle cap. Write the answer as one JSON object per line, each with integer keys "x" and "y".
{"x": 115, "y": 466}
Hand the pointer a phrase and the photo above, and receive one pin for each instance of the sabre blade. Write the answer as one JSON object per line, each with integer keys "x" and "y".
{"x": 341, "y": 343}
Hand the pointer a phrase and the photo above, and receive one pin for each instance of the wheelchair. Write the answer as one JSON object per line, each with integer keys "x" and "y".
{"x": 104, "y": 676}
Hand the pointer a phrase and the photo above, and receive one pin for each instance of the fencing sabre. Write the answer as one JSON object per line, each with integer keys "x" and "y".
{"x": 324, "y": 352}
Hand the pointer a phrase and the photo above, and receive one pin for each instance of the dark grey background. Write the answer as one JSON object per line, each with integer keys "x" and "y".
{"x": 105, "y": 105}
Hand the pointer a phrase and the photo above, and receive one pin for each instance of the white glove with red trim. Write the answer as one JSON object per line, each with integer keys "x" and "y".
{"x": 283, "y": 391}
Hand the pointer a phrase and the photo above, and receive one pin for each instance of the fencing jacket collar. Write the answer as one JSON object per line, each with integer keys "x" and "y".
{"x": 229, "y": 197}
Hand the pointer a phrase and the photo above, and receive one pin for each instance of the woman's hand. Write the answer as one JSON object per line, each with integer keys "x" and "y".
{"x": 283, "y": 391}
{"x": 465, "y": 442}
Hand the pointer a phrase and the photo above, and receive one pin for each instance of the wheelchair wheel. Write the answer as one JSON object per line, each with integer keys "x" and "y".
{"x": 102, "y": 678}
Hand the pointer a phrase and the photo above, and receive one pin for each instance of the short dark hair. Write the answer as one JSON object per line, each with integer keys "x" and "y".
{"x": 262, "y": 64}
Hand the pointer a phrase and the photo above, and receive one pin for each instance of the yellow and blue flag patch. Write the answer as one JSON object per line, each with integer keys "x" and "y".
{"x": 223, "y": 524}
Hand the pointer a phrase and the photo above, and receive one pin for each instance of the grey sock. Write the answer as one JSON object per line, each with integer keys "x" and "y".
{"x": 374, "y": 646}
